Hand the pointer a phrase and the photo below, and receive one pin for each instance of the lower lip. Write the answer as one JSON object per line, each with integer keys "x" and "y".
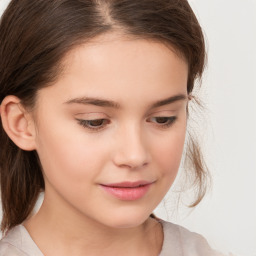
{"x": 128, "y": 194}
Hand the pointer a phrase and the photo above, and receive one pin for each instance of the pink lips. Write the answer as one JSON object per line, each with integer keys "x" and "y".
{"x": 127, "y": 190}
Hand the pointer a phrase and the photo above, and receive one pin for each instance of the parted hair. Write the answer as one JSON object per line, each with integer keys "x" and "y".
{"x": 35, "y": 35}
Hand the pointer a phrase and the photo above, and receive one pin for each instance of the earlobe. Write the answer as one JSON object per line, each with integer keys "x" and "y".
{"x": 17, "y": 123}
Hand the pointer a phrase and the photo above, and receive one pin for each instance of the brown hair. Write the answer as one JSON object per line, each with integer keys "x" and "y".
{"x": 34, "y": 37}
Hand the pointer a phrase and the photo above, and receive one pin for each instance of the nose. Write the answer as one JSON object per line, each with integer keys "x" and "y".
{"x": 131, "y": 150}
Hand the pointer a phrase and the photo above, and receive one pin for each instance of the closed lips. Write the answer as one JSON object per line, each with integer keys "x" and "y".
{"x": 128, "y": 191}
{"x": 128, "y": 184}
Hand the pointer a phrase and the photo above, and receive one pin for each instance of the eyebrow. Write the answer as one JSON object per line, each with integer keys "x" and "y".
{"x": 111, "y": 104}
{"x": 179, "y": 97}
{"x": 94, "y": 101}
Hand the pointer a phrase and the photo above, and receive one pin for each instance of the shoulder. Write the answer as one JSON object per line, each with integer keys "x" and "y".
{"x": 17, "y": 242}
{"x": 9, "y": 243}
{"x": 184, "y": 242}
{"x": 7, "y": 249}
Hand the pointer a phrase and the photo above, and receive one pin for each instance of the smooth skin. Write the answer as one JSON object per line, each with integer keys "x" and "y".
{"x": 116, "y": 113}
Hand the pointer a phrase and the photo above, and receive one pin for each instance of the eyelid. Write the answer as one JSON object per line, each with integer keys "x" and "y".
{"x": 92, "y": 115}
{"x": 164, "y": 112}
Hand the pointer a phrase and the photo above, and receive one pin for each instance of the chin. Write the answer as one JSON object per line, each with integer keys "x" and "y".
{"x": 127, "y": 219}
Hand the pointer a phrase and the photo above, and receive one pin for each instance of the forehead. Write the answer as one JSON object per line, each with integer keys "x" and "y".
{"x": 116, "y": 49}
{"x": 122, "y": 68}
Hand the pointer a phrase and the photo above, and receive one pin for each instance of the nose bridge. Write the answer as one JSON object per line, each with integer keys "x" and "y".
{"x": 131, "y": 148}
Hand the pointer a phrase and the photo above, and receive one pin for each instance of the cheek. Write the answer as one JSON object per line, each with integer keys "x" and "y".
{"x": 68, "y": 155}
{"x": 167, "y": 155}
{"x": 168, "y": 152}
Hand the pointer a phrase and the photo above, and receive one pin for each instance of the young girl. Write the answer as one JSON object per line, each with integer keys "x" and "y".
{"x": 94, "y": 106}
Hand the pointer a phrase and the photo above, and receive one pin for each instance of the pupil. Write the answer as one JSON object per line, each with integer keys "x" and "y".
{"x": 97, "y": 122}
{"x": 162, "y": 120}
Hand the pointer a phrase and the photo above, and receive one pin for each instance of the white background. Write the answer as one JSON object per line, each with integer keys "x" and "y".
{"x": 227, "y": 215}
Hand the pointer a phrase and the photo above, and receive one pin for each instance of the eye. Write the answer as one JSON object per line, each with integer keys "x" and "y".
{"x": 95, "y": 124}
{"x": 163, "y": 121}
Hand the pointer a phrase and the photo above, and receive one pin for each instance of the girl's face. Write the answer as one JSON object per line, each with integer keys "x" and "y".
{"x": 111, "y": 130}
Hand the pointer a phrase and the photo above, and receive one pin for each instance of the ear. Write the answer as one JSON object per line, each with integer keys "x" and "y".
{"x": 18, "y": 123}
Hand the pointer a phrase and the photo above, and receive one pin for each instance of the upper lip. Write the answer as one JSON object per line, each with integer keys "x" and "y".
{"x": 128, "y": 184}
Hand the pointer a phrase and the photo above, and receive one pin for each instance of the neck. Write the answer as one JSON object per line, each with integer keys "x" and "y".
{"x": 55, "y": 234}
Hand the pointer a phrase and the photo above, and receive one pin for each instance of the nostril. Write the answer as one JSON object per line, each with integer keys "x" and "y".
{"x": 131, "y": 150}
{"x": 132, "y": 160}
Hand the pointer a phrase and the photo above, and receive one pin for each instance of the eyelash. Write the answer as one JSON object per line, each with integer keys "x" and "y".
{"x": 103, "y": 122}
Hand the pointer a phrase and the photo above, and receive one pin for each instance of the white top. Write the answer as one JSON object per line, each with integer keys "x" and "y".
{"x": 178, "y": 241}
